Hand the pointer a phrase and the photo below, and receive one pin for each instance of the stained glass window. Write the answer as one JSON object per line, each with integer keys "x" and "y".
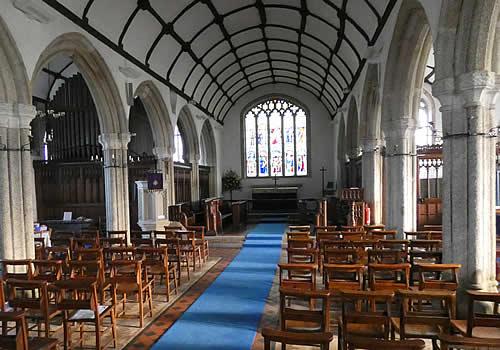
{"x": 276, "y": 140}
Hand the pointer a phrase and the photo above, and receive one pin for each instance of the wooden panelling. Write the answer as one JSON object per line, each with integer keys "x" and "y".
{"x": 204, "y": 182}
{"x": 182, "y": 182}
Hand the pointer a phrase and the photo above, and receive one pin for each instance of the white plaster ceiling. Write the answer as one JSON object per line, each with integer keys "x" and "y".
{"x": 52, "y": 76}
{"x": 214, "y": 51}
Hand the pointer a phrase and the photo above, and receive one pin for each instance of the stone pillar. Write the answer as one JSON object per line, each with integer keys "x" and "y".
{"x": 469, "y": 236}
{"x": 195, "y": 179}
{"x": 372, "y": 168}
{"x": 16, "y": 182}
{"x": 114, "y": 148}
{"x": 400, "y": 186}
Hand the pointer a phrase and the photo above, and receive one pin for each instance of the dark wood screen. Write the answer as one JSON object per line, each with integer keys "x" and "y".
{"x": 75, "y": 135}
{"x": 75, "y": 187}
{"x": 182, "y": 182}
{"x": 353, "y": 173}
{"x": 429, "y": 185}
{"x": 204, "y": 182}
{"x": 137, "y": 172}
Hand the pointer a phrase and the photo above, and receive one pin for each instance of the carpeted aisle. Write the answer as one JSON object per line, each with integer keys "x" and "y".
{"x": 227, "y": 315}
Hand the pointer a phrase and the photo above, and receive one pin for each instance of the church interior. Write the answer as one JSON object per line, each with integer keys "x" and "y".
{"x": 250, "y": 174}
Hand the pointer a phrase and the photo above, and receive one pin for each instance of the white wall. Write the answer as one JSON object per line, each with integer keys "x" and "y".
{"x": 320, "y": 150}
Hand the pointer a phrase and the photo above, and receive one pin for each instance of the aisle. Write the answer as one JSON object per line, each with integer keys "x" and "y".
{"x": 227, "y": 315}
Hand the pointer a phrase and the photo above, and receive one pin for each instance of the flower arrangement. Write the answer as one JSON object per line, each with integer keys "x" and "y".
{"x": 231, "y": 181}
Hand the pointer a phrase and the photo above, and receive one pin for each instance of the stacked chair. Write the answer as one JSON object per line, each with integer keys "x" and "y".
{"x": 380, "y": 291}
{"x": 86, "y": 280}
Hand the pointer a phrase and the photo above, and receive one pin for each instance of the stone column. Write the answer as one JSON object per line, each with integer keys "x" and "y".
{"x": 195, "y": 179}
{"x": 372, "y": 168}
{"x": 16, "y": 182}
{"x": 114, "y": 148}
{"x": 469, "y": 236}
{"x": 400, "y": 186}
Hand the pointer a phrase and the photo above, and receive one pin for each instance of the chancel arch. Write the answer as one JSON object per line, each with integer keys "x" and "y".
{"x": 404, "y": 76}
{"x": 16, "y": 170}
{"x": 110, "y": 128}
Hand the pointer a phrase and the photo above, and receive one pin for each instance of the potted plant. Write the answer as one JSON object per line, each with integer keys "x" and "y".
{"x": 231, "y": 181}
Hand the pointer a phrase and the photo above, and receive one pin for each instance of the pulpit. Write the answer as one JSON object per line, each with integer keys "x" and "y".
{"x": 274, "y": 198}
{"x": 150, "y": 207}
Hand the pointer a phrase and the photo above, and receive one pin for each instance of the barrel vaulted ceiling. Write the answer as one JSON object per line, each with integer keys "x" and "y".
{"x": 212, "y": 52}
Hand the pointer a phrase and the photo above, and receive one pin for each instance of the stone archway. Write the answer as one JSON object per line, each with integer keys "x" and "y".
{"x": 114, "y": 136}
{"x": 16, "y": 167}
{"x": 353, "y": 173}
{"x": 404, "y": 76}
{"x": 207, "y": 141}
{"x": 466, "y": 87}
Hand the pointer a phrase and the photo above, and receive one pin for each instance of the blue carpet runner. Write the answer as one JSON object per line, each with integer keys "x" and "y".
{"x": 226, "y": 316}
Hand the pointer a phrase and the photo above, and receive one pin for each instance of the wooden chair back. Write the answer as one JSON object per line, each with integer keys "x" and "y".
{"x": 20, "y": 340}
{"x": 302, "y": 256}
{"x": 438, "y": 276}
{"x": 340, "y": 256}
{"x": 350, "y": 228}
{"x": 301, "y": 243}
{"x": 386, "y": 256}
{"x": 400, "y": 244}
{"x": 365, "y": 313}
{"x": 39, "y": 248}
{"x": 117, "y": 234}
{"x": 47, "y": 270}
{"x": 353, "y": 235}
{"x": 300, "y": 228}
{"x": 321, "y": 340}
{"x": 297, "y": 234}
{"x": 28, "y": 295}
{"x": 295, "y": 317}
{"x": 85, "y": 243}
{"x": 298, "y": 276}
{"x": 127, "y": 272}
{"x": 323, "y": 229}
{"x": 389, "y": 277}
{"x": 455, "y": 342}
{"x": 340, "y": 277}
{"x": 113, "y": 242}
{"x": 17, "y": 269}
{"x": 77, "y": 294}
{"x": 477, "y": 318}
{"x": 91, "y": 270}
{"x": 382, "y": 234}
{"x": 417, "y": 321}
{"x": 120, "y": 253}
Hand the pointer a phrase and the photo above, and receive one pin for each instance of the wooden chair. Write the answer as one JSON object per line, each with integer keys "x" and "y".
{"x": 369, "y": 228}
{"x": 199, "y": 233}
{"x": 343, "y": 277}
{"x": 455, "y": 342}
{"x": 424, "y": 235}
{"x": 156, "y": 262}
{"x": 294, "y": 317}
{"x": 32, "y": 297}
{"x": 120, "y": 253}
{"x": 325, "y": 229}
{"x": 39, "y": 248}
{"x": 431, "y": 276}
{"x": 360, "y": 343}
{"x": 78, "y": 300}
{"x": 136, "y": 283}
{"x": 389, "y": 277}
{"x": 347, "y": 228}
{"x": 418, "y": 322}
{"x": 175, "y": 256}
{"x": 91, "y": 270}
{"x": 400, "y": 244}
{"x": 21, "y": 341}
{"x": 59, "y": 253}
{"x": 141, "y": 238}
{"x": 321, "y": 340}
{"x": 17, "y": 269}
{"x": 353, "y": 235}
{"x": 189, "y": 248}
{"x": 361, "y": 317}
{"x": 113, "y": 242}
{"x": 386, "y": 256}
{"x": 122, "y": 234}
{"x": 479, "y": 324}
{"x": 340, "y": 256}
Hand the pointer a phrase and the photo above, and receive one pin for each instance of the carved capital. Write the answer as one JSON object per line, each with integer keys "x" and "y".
{"x": 114, "y": 141}
{"x": 476, "y": 87}
{"x": 14, "y": 115}
{"x": 163, "y": 153}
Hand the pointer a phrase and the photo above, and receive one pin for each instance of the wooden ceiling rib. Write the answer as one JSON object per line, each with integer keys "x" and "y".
{"x": 251, "y": 44}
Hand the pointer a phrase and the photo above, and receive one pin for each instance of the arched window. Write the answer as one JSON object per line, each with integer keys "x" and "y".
{"x": 425, "y": 125}
{"x": 179, "y": 146}
{"x": 276, "y": 139}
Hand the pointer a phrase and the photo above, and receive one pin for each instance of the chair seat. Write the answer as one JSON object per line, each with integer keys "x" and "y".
{"x": 88, "y": 315}
{"x": 477, "y": 332}
{"x": 37, "y": 314}
{"x": 156, "y": 269}
{"x": 130, "y": 287}
{"x": 302, "y": 326}
{"x": 416, "y": 330}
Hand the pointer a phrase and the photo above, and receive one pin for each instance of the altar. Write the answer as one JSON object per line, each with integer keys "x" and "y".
{"x": 274, "y": 198}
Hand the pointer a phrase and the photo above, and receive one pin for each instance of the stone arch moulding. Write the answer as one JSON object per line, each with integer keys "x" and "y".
{"x": 207, "y": 133}
{"x": 189, "y": 127}
{"x": 158, "y": 117}
{"x": 410, "y": 47}
{"x": 370, "y": 112}
{"x": 352, "y": 126}
{"x": 14, "y": 82}
{"x": 110, "y": 109}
